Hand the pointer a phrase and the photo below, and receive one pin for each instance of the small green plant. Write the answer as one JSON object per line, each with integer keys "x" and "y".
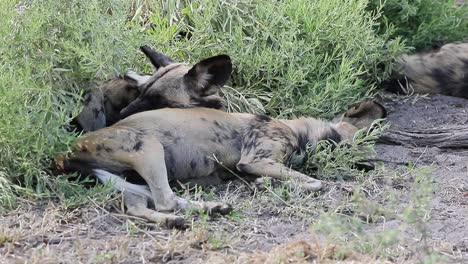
{"x": 423, "y": 23}
{"x": 349, "y": 228}
{"x": 338, "y": 161}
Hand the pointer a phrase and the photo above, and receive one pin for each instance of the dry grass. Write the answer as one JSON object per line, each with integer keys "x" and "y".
{"x": 277, "y": 225}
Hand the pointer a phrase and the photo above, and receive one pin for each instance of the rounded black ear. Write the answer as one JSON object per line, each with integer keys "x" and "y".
{"x": 207, "y": 76}
{"x": 157, "y": 59}
{"x": 367, "y": 109}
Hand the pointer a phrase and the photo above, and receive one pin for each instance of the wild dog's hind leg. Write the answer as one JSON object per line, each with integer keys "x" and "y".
{"x": 149, "y": 162}
{"x": 137, "y": 205}
{"x": 274, "y": 169}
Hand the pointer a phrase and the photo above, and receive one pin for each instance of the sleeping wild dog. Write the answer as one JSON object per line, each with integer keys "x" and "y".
{"x": 170, "y": 85}
{"x": 198, "y": 145}
{"x": 442, "y": 71}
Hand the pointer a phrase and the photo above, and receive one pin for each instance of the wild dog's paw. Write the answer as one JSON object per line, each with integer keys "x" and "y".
{"x": 217, "y": 208}
{"x": 261, "y": 182}
{"x": 265, "y": 182}
{"x": 311, "y": 185}
{"x": 175, "y": 221}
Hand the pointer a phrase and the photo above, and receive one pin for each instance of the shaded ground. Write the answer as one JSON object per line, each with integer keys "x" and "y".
{"x": 449, "y": 207}
{"x": 364, "y": 211}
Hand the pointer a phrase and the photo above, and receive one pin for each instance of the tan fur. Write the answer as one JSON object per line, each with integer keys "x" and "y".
{"x": 442, "y": 71}
{"x": 171, "y": 85}
{"x": 188, "y": 144}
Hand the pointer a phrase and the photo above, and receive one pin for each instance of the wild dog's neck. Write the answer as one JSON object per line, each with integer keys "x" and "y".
{"x": 311, "y": 130}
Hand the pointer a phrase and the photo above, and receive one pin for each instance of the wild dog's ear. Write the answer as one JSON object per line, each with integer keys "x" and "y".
{"x": 369, "y": 109}
{"x": 207, "y": 76}
{"x": 364, "y": 114}
{"x": 157, "y": 59}
{"x": 137, "y": 78}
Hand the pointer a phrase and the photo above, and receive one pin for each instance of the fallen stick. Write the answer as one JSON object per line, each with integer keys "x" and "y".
{"x": 456, "y": 137}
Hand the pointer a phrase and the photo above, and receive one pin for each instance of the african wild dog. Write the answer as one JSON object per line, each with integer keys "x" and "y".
{"x": 102, "y": 105}
{"x": 197, "y": 145}
{"x": 442, "y": 71}
{"x": 171, "y": 85}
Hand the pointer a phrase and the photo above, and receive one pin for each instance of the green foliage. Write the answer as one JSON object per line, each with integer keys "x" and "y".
{"x": 296, "y": 57}
{"x": 423, "y": 23}
{"x": 338, "y": 161}
{"x": 50, "y": 52}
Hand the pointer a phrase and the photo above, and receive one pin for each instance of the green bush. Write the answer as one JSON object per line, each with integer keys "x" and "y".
{"x": 296, "y": 57}
{"x": 49, "y": 52}
{"x": 423, "y": 23}
{"x": 302, "y": 57}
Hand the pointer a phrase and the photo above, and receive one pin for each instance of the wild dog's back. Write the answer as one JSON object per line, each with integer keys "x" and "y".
{"x": 443, "y": 71}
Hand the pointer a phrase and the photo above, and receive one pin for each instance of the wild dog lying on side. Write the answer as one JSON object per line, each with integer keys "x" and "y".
{"x": 190, "y": 144}
{"x": 171, "y": 85}
{"x": 442, "y": 71}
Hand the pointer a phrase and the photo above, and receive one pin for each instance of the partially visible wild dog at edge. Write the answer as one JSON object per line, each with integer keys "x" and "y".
{"x": 171, "y": 85}
{"x": 442, "y": 71}
{"x": 198, "y": 145}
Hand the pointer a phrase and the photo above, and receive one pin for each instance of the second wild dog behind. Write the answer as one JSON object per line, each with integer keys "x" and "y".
{"x": 171, "y": 85}
{"x": 193, "y": 145}
{"x": 442, "y": 71}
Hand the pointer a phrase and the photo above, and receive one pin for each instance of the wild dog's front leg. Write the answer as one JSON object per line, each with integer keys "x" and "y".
{"x": 274, "y": 169}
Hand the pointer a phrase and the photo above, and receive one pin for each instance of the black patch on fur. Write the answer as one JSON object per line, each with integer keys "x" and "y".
{"x": 96, "y": 112}
{"x": 333, "y": 136}
{"x": 262, "y": 118}
{"x": 210, "y": 103}
{"x": 193, "y": 164}
{"x": 108, "y": 150}
{"x": 262, "y": 154}
{"x": 203, "y": 119}
{"x": 87, "y": 98}
{"x": 133, "y": 177}
{"x": 170, "y": 161}
{"x": 99, "y": 147}
{"x": 441, "y": 76}
{"x": 302, "y": 141}
{"x": 243, "y": 167}
{"x": 138, "y": 145}
{"x": 84, "y": 149}
{"x": 167, "y": 133}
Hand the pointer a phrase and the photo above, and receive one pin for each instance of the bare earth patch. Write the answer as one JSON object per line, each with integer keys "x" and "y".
{"x": 349, "y": 222}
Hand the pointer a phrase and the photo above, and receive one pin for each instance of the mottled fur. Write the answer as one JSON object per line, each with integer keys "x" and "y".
{"x": 441, "y": 71}
{"x": 102, "y": 104}
{"x": 199, "y": 144}
{"x": 171, "y": 85}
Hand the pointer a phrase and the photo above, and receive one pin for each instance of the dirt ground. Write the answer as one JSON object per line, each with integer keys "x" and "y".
{"x": 281, "y": 225}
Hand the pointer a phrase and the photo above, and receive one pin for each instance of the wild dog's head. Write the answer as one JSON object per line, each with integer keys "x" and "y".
{"x": 357, "y": 117}
{"x": 179, "y": 85}
{"x": 102, "y": 104}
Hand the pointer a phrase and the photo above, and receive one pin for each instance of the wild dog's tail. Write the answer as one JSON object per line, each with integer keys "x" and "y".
{"x": 85, "y": 165}
{"x": 120, "y": 184}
